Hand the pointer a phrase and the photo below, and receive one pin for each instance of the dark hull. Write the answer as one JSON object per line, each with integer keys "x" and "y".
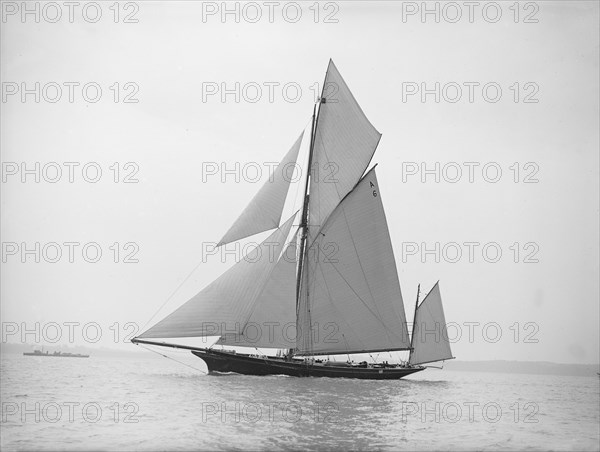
{"x": 242, "y": 364}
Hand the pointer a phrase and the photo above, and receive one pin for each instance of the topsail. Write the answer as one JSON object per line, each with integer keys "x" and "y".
{"x": 344, "y": 144}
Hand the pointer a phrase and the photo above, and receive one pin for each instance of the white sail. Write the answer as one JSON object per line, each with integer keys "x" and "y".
{"x": 225, "y": 305}
{"x": 272, "y": 323}
{"x": 344, "y": 144}
{"x": 430, "y": 337}
{"x": 353, "y": 292}
{"x": 264, "y": 211}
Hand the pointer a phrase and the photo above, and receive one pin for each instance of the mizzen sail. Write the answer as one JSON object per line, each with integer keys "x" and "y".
{"x": 350, "y": 285}
{"x": 265, "y": 209}
{"x": 225, "y": 305}
{"x": 430, "y": 337}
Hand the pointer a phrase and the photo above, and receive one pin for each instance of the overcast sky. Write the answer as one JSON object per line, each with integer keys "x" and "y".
{"x": 172, "y": 131}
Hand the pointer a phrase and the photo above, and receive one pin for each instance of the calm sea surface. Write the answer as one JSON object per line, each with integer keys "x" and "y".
{"x": 151, "y": 403}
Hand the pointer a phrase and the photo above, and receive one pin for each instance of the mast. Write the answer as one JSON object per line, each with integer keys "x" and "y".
{"x": 304, "y": 220}
{"x": 412, "y": 336}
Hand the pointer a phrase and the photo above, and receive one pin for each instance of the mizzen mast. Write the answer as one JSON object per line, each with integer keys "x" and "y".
{"x": 412, "y": 336}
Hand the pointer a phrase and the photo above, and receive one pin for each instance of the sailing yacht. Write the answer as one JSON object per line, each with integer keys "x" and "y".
{"x": 324, "y": 282}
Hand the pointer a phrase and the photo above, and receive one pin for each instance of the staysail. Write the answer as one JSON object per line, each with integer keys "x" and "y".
{"x": 264, "y": 211}
{"x": 272, "y": 323}
{"x": 430, "y": 340}
{"x": 351, "y": 294}
{"x": 225, "y": 305}
{"x": 344, "y": 143}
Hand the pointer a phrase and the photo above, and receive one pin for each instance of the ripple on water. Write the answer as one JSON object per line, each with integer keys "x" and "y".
{"x": 174, "y": 408}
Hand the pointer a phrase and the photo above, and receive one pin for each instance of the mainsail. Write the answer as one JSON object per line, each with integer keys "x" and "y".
{"x": 225, "y": 305}
{"x": 264, "y": 211}
{"x": 430, "y": 337}
{"x": 353, "y": 292}
{"x": 344, "y": 143}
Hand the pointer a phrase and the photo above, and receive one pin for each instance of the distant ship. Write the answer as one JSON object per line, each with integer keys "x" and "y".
{"x": 56, "y": 354}
{"x": 332, "y": 276}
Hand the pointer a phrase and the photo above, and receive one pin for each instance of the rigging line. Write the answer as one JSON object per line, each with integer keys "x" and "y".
{"x": 298, "y": 183}
{"x": 311, "y": 154}
{"x": 308, "y": 339}
{"x": 172, "y": 294}
{"x": 347, "y": 346}
{"x": 307, "y": 286}
{"x": 171, "y": 358}
{"x": 315, "y": 201}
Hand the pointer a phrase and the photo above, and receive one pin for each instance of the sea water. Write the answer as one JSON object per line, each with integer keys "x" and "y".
{"x": 152, "y": 403}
